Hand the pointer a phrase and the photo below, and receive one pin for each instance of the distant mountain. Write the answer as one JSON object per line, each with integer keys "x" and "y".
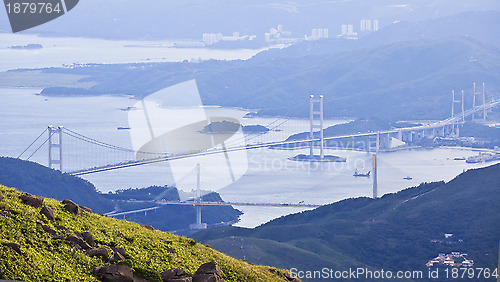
{"x": 37, "y": 179}
{"x": 480, "y": 25}
{"x": 190, "y": 19}
{"x": 404, "y": 80}
{"x": 398, "y": 231}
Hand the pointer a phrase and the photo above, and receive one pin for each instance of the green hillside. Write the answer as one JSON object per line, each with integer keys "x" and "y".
{"x": 37, "y": 179}
{"x": 398, "y": 231}
{"x": 46, "y": 252}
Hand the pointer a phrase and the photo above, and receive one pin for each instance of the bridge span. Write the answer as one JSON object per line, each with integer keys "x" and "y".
{"x": 441, "y": 128}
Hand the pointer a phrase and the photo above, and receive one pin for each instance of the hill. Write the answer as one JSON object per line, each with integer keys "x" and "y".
{"x": 37, "y": 179}
{"x": 399, "y": 81}
{"x": 400, "y": 231}
{"x": 192, "y": 18}
{"x": 77, "y": 245}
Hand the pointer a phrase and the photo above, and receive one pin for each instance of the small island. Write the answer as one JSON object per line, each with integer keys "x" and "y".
{"x": 222, "y": 127}
{"x": 317, "y": 158}
{"x": 27, "y": 47}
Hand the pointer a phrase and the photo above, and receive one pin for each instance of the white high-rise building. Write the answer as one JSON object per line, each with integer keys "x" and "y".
{"x": 319, "y": 33}
{"x": 350, "y": 29}
{"x": 211, "y": 38}
{"x": 375, "y": 25}
{"x": 314, "y": 33}
{"x": 344, "y": 29}
{"x": 325, "y": 32}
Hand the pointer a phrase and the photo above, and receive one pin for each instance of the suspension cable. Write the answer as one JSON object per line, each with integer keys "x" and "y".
{"x": 32, "y": 143}
{"x": 52, "y": 133}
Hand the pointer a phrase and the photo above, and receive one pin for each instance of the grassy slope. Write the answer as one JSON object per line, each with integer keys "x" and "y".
{"x": 45, "y": 259}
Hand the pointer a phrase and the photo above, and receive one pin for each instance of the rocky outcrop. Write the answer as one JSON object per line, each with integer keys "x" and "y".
{"x": 209, "y": 271}
{"x": 61, "y": 227}
{"x": 45, "y": 227}
{"x": 115, "y": 273}
{"x": 79, "y": 242}
{"x": 99, "y": 252}
{"x": 287, "y": 276}
{"x": 48, "y": 212}
{"x": 15, "y": 246}
{"x": 84, "y": 208}
{"x": 34, "y": 201}
{"x": 148, "y": 227}
{"x": 87, "y": 236}
{"x": 176, "y": 275}
{"x": 71, "y": 207}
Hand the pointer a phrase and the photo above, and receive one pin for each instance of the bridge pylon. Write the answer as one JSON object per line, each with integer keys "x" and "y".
{"x": 55, "y": 147}
{"x": 313, "y": 125}
{"x": 197, "y": 203}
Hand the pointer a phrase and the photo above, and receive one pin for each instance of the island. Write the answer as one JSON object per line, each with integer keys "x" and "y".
{"x": 221, "y": 127}
{"x": 317, "y": 158}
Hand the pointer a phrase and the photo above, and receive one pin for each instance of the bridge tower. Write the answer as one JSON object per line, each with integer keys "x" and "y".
{"x": 375, "y": 184}
{"x": 197, "y": 201}
{"x": 484, "y": 102}
{"x": 313, "y": 125}
{"x": 55, "y": 147}
{"x": 483, "y": 94}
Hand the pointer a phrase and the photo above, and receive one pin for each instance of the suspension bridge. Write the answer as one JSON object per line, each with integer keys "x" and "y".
{"x": 58, "y": 136}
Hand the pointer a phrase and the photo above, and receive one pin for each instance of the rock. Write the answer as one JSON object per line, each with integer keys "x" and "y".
{"x": 34, "y": 201}
{"x": 176, "y": 275}
{"x": 71, "y": 207}
{"x": 119, "y": 250}
{"x": 84, "y": 208}
{"x": 287, "y": 276}
{"x": 209, "y": 268}
{"x": 290, "y": 278}
{"x": 15, "y": 246}
{"x": 118, "y": 257}
{"x": 60, "y": 227}
{"x": 48, "y": 230}
{"x": 115, "y": 273}
{"x": 48, "y": 212}
{"x": 45, "y": 227}
{"x": 166, "y": 242}
{"x": 87, "y": 236}
{"x": 171, "y": 250}
{"x": 99, "y": 252}
{"x": 148, "y": 227}
{"x": 79, "y": 242}
{"x": 208, "y": 272}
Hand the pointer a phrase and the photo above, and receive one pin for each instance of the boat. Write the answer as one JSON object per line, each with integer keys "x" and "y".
{"x": 407, "y": 178}
{"x": 359, "y": 174}
{"x": 122, "y": 128}
{"x": 483, "y": 158}
{"x": 459, "y": 159}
